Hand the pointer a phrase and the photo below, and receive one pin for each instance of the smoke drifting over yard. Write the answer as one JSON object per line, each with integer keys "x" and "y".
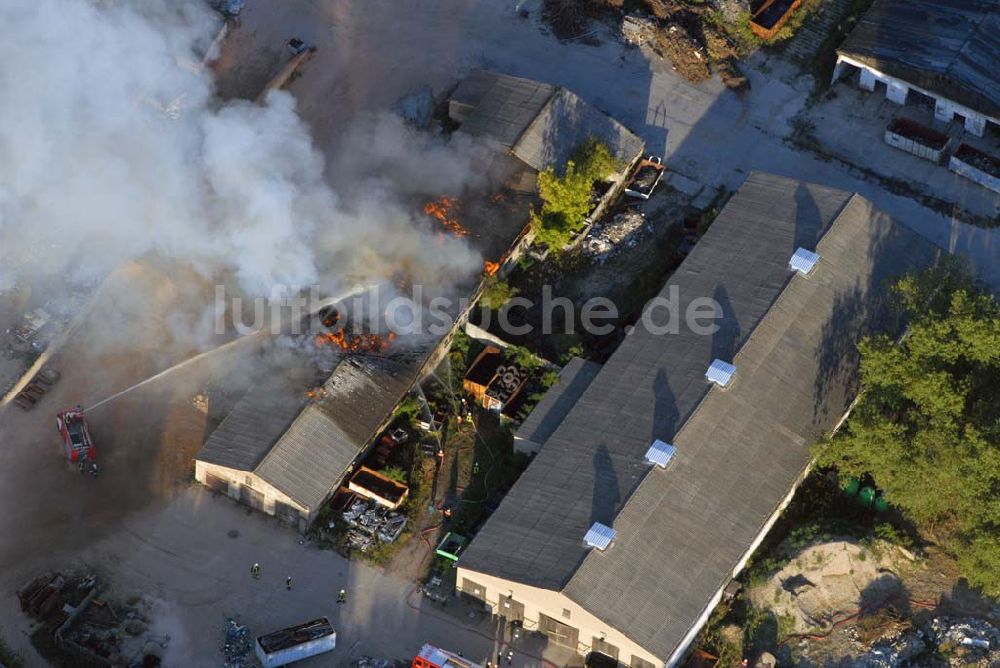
{"x": 113, "y": 146}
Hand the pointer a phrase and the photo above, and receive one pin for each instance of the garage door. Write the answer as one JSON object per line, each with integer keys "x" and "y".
{"x": 474, "y": 590}
{"x": 252, "y": 498}
{"x": 602, "y": 648}
{"x": 286, "y": 513}
{"x": 511, "y": 609}
{"x": 216, "y": 484}
{"x": 559, "y": 633}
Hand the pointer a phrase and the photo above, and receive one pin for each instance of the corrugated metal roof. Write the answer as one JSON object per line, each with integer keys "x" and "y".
{"x": 504, "y": 106}
{"x": 574, "y": 378}
{"x": 314, "y": 454}
{"x": 566, "y": 122}
{"x": 949, "y": 48}
{"x": 254, "y": 424}
{"x": 679, "y": 536}
{"x": 540, "y": 123}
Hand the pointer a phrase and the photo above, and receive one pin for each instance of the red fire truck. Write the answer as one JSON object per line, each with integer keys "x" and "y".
{"x": 76, "y": 437}
{"x": 434, "y": 657}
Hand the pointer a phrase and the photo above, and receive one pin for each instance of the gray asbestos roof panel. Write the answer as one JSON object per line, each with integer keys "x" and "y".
{"x": 574, "y": 378}
{"x": 681, "y": 531}
{"x": 650, "y": 385}
{"x": 540, "y": 123}
{"x": 566, "y": 122}
{"x": 326, "y": 438}
{"x": 505, "y": 107}
{"x": 949, "y": 48}
{"x": 254, "y": 424}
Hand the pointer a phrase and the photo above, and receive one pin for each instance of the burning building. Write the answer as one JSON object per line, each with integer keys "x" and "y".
{"x": 285, "y": 451}
{"x": 291, "y": 442}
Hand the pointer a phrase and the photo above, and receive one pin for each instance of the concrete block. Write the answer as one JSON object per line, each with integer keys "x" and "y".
{"x": 975, "y": 124}
{"x": 943, "y": 111}
{"x": 867, "y": 80}
{"x": 896, "y": 92}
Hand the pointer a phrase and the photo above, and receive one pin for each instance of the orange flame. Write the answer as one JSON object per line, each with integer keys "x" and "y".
{"x": 356, "y": 343}
{"x": 497, "y": 198}
{"x": 441, "y": 209}
{"x": 491, "y": 267}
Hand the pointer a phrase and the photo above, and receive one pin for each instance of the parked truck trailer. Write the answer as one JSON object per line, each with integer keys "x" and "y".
{"x": 296, "y": 643}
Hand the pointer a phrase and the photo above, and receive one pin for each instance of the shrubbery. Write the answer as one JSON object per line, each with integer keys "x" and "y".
{"x": 566, "y": 199}
{"x": 927, "y": 427}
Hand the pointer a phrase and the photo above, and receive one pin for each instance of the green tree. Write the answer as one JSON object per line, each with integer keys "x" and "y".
{"x": 928, "y": 424}
{"x": 497, "y": 292}
{"x": 566, "y": 198}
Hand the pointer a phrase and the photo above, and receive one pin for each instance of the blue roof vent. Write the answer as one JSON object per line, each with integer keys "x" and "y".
{"x": 660, "y": 453}
{"x": 803, "y": 261}
{"x": 720, "y": 373}
{"x": 599, "y": 536}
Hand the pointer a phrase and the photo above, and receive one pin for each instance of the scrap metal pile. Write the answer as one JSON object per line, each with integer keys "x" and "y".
{"x": 238, "y": 648}
{"x": 89, "y": 628}
{"x": 622, "y": 231}
{"x": 961, "y": 642}
{"x": 371, "y": 524}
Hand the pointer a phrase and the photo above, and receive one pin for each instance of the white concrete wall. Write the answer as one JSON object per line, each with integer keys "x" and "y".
{"x": 911, "y": 146}
{"x": 897, "y": 90}
{"x": 974, "y": 173}
{"x": 552, "y": 604}
{"x": 237, "y": 479}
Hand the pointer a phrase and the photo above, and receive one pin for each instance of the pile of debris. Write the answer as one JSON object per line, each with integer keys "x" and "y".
{"x": 371, "y": 524}
{"x": 622, "y": 231}
{"x": 238, "y": 648}
{"x": 637, "y": 29}
{"x": 960, "y": 642}
{"x": 86, "y": 629}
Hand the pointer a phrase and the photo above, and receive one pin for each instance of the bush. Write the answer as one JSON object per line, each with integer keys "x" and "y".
{"x": 566, "y": 199}
{"x": 395, "y": 473}
{"x": 926, "y": 427}
{"x": 497, "y": 292}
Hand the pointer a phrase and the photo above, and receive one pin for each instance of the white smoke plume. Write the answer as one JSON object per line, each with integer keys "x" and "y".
{"x": 113, "y": 146}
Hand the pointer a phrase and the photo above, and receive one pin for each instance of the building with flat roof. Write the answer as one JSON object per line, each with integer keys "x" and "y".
{"x": 944, "y": 51}
{"x": 651, "y": 493}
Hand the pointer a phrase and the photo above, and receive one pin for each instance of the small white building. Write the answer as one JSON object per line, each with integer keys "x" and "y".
{"x": 944, "y": 52}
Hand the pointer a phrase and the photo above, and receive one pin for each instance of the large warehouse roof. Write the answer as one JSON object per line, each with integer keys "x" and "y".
{"x": 680, "y": 532}
{"x": 539, "y": 123}
{"x": 949, "y": 48}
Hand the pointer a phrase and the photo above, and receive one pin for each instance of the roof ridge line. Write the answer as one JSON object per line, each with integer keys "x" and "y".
{"x": 555, "y": 91}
